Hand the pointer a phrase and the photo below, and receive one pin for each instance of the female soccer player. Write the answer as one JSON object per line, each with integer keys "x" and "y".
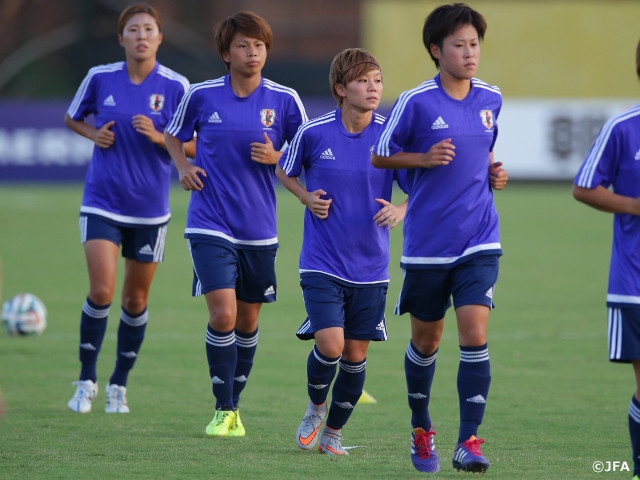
{"x": 444, "y": 131}
{"x": 126, "y": 194}
{"x": 242, "y": 121}
{"x": 345, "y": 252}
{"x": 609, "y": 180}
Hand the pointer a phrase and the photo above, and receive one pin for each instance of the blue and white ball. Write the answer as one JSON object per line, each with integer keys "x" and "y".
{"x": 24, "y": 314}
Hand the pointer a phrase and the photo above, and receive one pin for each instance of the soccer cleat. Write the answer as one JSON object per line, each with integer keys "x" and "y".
{"x": 331, "y": 442}
{"x": 223, "y": 421}
{"x": 468, "y": 457}
{"x": 237, "y": 429}
{"x": 423, "y": 451}
{"x": 86, "y": 391}
{"x": 116, "y": 399}
{"x": 307, "y": 434}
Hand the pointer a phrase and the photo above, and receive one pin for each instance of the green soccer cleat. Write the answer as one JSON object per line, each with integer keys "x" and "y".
{"x": 222, "y": 422}
{"x": 237, "y": 429}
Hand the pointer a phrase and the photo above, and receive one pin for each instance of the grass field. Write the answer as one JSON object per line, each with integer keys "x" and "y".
{"x": 555, "y": 407}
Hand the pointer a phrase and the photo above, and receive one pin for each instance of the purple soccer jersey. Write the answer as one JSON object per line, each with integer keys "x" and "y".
{"x": 451, "y": 215}
{"x": 129, "y": 181}
{"x": 238, "y": 202}
{"x": 614, "y": 161}
{"x": 348, "y": 244}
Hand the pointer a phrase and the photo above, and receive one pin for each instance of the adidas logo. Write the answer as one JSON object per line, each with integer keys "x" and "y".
{"x": 380, "y": 326}
{"x": 241, "y": 378}
{"x": 270, "y": 291}
{"x": 130, "y": 354}
{"x": 417, "y": 396}
{"x": 637, "y": 157}
{"x": 438, "y": 124}
{"x": 109, "y": 101}
{"x": 215, "y": 118}
{"x": 87, "y": 346}
{"x": 327, "y": 155}
{"x": 346, "y": 405}
{"x": 489, "y": 293}
{"x": 146, "y": 250}
{"x": 217, "y": 381}
{"x": 476, "y": 399}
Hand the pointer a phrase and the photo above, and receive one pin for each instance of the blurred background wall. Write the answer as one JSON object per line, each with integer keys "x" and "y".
{"x": 564, "y": 66}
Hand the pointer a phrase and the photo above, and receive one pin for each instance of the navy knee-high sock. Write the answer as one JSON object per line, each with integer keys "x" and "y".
{"x": 130, "y": 337}
{"x": 474, "y": 378}
{"x": 419, "y": 371}
{"x": 347, "y": 390}
{"x": 222, "y": 355}
{"x": 634, "y": 432}
{"x": 247, "y": 344}
{"x": 320, "y": 373}
{"x": 93, "y": 325}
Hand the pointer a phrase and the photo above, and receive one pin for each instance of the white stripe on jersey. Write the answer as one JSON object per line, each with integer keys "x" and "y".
{"x": 447, "y": 260}
{"x": 476, "y": 82}
{"x": 615, "y": 333}
{"x": 295, "y": 143}
{"x": 178, "y": 117}
{"x": 382, "y": 148}
{"x": 124, "y": 218}
{"x": 235, "y": 241}
{"x": 595, "y": 154}
{"x": 77, "y": 100}
{"x": 633, "y": 299}
{"x": 171, "y": 75}
{"x": 271, "y": 85}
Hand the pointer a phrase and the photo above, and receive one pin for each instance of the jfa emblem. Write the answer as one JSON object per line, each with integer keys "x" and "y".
{"x": 156, "y": 102}
{"x": 487, "y": 118}
{"x": 267, "y": 116}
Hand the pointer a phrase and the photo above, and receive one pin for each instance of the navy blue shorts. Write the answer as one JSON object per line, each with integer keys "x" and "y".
{"x": 358, "y": 309}
{"x": 624, "y": 334}
{"x": 426, "y": 293}
{"x": 251, "y": 273}
{"x": 141, "y": 243}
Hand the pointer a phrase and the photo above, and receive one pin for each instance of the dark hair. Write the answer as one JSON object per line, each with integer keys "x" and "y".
{"x": 445, "y": 20}
{"x": 132, "y": 10}
{"x": 348, "y": 65}
{"x": 247, "y": 23}
{"x": 638, "y": 60}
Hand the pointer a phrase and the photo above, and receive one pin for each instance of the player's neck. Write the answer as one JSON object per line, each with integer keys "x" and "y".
{"x": 243, "y": 86}
{"x": 455, "y": 87}
{"x": 355, "y": 119}
{"x": 138, "y": 71}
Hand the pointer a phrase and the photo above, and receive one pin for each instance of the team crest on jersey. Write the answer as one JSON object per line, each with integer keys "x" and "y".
{"x": 156, "y": 102}
{"x": 487, "y": 118}
{"x": 267, "y": 116}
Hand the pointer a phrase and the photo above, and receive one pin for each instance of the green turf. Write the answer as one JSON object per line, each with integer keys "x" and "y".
{"x": 555, "y": 407}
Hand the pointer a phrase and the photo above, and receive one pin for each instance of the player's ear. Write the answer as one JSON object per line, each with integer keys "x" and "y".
{"x": 340, "y": 90}
{"x": 435, "y": 50}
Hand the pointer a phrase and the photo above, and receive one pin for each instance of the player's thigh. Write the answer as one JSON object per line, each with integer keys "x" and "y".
{"x": 425, "y": 294}
{"x": 215, "y": 267}
{"x": 365, "y": 312}
{"x": 256, "y": 281}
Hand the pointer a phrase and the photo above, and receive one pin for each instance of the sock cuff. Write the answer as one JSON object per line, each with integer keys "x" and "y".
{"x": 323, "y": 358}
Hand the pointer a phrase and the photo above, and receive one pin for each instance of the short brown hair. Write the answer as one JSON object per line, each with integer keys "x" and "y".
{"x": 638, "y": 60}
{"x": 132, "y": 10}
{"x": 348, "y": 65}
{"x": 445, "y": 20}
{"x": 247, "y": 23}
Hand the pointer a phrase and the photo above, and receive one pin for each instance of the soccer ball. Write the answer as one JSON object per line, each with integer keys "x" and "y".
{"x": 24, "y": 314}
